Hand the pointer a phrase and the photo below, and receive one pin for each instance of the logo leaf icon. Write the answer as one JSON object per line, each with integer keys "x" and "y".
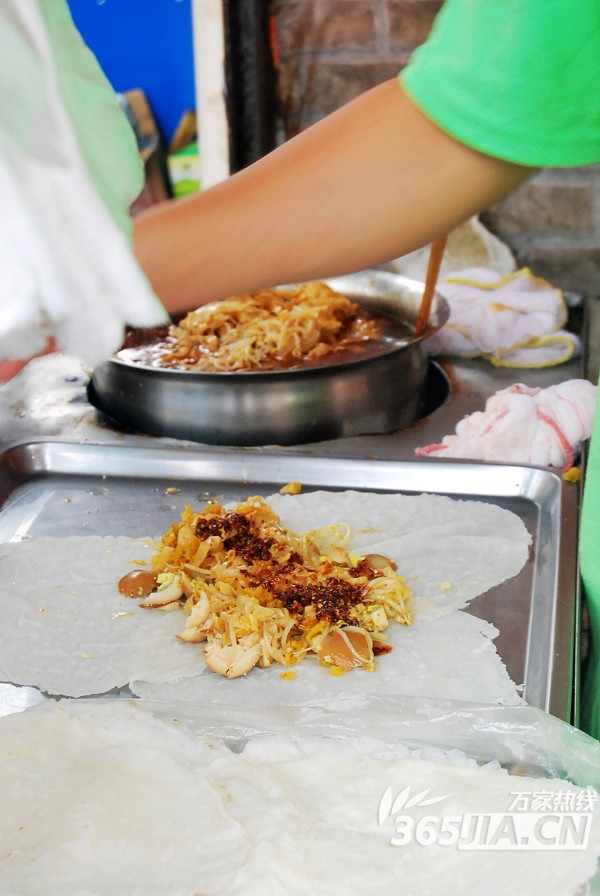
{"x": 419, "y": 799}
{"x": 401, "y": 800}
{"x": 385, "y": 806}
{"x": 388, "y": 806}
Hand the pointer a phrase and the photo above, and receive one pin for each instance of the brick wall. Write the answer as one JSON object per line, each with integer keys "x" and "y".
{"x": 332, "y": 50}
{"x": 552, "y": 224}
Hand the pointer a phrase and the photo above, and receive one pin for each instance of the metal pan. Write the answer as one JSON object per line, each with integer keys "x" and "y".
{"x": 132, "y": 488}
{"x": 368, "y": 395}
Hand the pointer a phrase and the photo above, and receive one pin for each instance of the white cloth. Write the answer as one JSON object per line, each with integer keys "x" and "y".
{"x": 513, "y": 321}
{"x": 469, "y": 245}
{"x": 66, "y": 267}
{"x": 544, "y": 427}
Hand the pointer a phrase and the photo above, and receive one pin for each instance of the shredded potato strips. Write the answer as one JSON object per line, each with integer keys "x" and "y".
{"x": 330, "y": 537}
{"x": 254, "y": 592}
{"x": 269, "y": 330}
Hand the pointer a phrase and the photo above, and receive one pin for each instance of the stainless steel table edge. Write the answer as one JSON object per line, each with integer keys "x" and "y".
{"x": 57, "y": 456}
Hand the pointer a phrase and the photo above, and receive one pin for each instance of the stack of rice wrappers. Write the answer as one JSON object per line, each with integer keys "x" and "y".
{"x": 155, "y": 806}
{"x": 514, "y": 321}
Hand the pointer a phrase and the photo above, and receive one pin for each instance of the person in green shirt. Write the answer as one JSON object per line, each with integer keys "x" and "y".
{"x": 497, "y": 90}
{"x": 106, "y": 140}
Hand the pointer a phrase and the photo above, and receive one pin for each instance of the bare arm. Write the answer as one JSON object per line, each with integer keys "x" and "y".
{"x": 369, "y": 183}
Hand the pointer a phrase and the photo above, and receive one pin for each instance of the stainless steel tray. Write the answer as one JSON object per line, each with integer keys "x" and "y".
{"x": 64, "y": 488}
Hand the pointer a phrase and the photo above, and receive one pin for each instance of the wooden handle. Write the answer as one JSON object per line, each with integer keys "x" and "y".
{"x": 433, "y": 268}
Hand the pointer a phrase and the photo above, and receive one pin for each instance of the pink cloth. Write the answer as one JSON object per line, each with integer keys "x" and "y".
{"x": 544, "y": 427}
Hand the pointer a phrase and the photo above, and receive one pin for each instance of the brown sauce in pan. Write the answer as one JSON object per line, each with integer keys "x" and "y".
{"x": 148, "y": 346}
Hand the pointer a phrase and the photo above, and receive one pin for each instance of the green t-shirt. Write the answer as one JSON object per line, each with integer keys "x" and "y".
{"x": 516, "y": 79}
{"x": 105, "y": 137}
{"x": 520, "y": 80}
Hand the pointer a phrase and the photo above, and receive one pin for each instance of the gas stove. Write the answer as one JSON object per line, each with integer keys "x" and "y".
{"x": 49, "y": 399}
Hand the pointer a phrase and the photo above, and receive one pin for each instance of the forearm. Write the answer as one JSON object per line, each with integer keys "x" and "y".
{"x": 369, "y": 183}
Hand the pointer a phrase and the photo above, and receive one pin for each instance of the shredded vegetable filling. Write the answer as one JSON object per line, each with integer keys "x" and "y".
{"x": 256, "y": 593}
{"x": 270, "y": 330}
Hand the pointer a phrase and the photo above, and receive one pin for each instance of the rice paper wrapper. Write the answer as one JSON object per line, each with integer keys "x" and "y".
{"x": 69, "y": 632}
{"x": 322, "y": 811}
{"x": 435, "y": 540}
{"x": 67, "y": 628}
{"x": 451, "y": 656}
